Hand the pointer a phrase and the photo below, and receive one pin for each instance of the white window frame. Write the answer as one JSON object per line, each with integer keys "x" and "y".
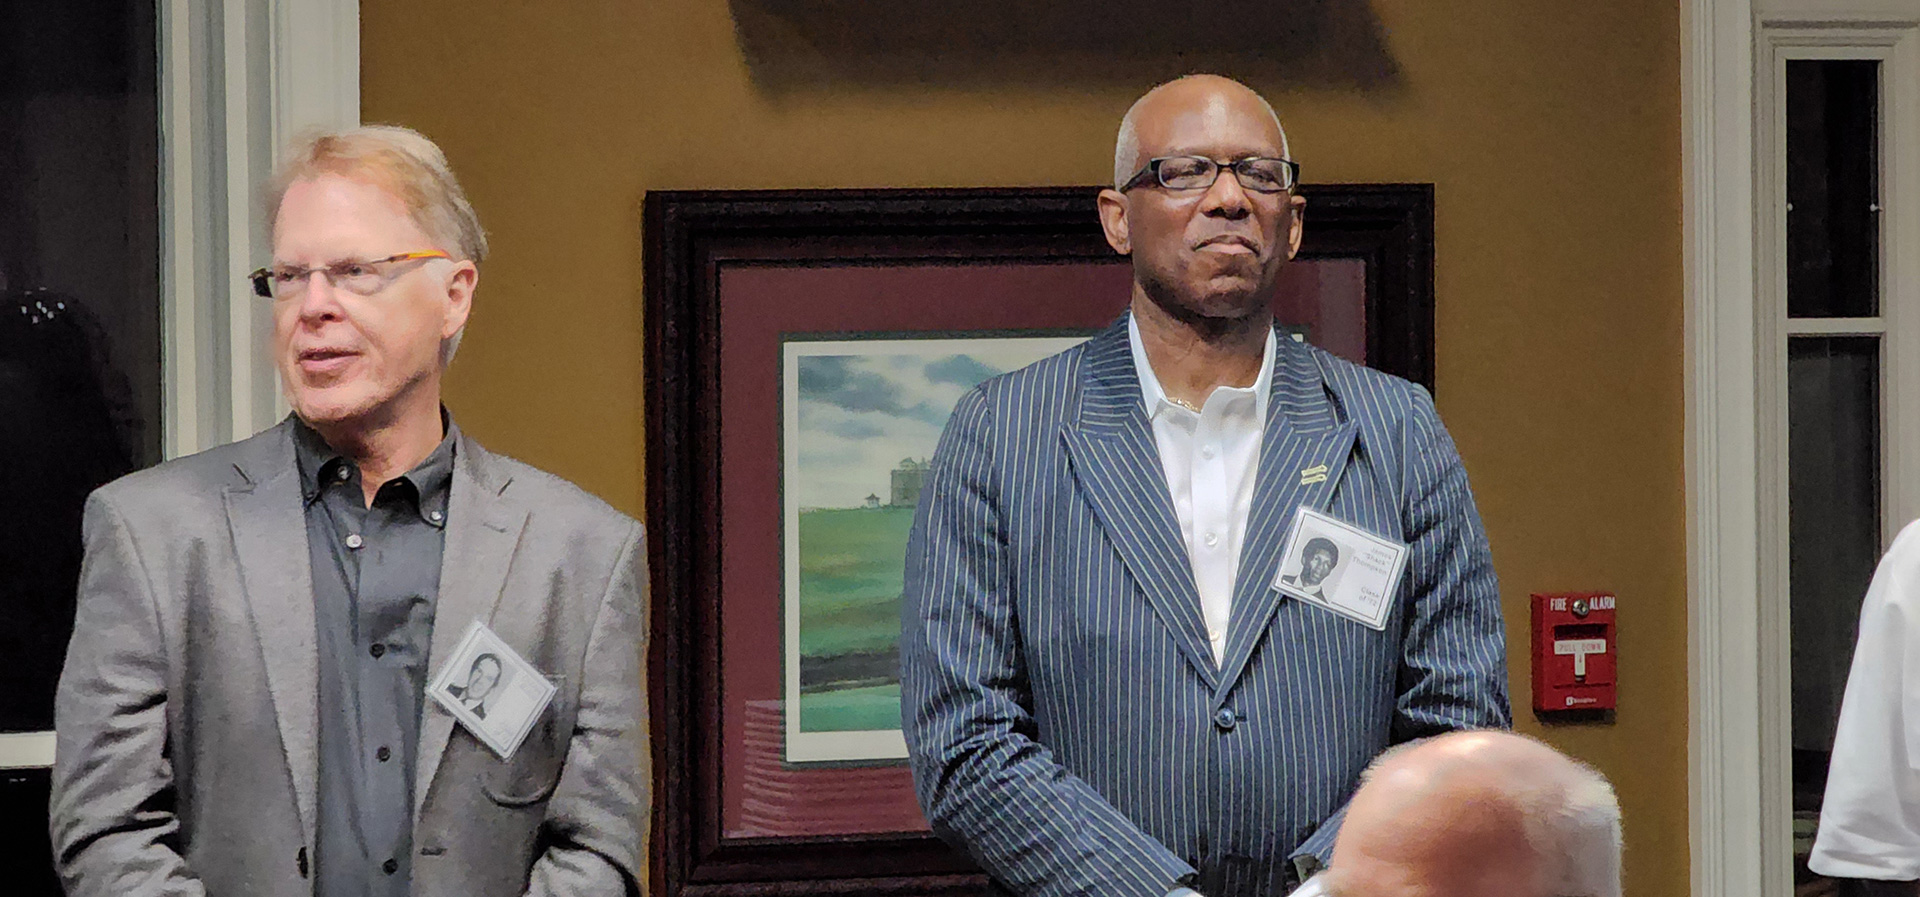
{"x": 1740, "y": 773}
{"x": 238, "y": 78}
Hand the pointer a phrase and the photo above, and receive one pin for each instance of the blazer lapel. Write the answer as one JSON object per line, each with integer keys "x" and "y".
{"x": 1302, "y": 456}
{"x": 268, "y": 521}
{"x": 483, "y": 529}
{"x": 1118, "y": 466}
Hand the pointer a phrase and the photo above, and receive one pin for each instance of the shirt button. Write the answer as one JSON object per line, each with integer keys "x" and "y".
{"x": 383, "y": 754}
{"x": 1226, "y": 719}
{"x": 435, "y": 516}
{"x": 390, "y": 866}
{"x": 1212, "y": 539}
{"x": 354, "y": 540}
{"x": 1208, "y": 452}
{"x": 377, "y": 649}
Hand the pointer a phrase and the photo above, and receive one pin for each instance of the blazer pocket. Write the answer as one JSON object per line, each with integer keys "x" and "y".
{"x": 533, "y": 772}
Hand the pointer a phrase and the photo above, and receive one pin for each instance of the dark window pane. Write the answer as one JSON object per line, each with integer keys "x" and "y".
{"x": 1833, "y": 424}
{"x": 1833, "y": 492}
{"x": 25, "y": 850}
{"x": 1833, "y": 184}
{"x": 79, "y": 307}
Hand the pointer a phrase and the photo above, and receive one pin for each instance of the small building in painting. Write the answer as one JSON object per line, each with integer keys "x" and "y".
{"x": 873, "y": 501}
{"x": 907, "y": 480}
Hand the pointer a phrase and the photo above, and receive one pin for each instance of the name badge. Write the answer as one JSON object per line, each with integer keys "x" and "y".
{"x": 1342, "y": 568}
{"x": 491, "y": 690}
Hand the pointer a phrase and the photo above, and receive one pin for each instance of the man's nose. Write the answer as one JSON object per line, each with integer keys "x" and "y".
{"x": 317, "y": 298}
{"x": 1226, "y": 198}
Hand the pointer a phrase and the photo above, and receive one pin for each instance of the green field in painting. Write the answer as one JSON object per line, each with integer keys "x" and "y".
{"x": 852, "y": 566}
{"x": 851, "y": 709}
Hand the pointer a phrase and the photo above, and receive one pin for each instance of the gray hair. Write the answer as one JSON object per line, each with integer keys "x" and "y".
{"x": 1569, "y": 813}
{"x": 405, "y": 164}
{"x": 1577, "y": 830}
{"x": 1126, "y": 146}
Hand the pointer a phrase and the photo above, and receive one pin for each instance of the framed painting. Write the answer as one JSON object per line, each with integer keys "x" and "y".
{"x": 804, "y": 349}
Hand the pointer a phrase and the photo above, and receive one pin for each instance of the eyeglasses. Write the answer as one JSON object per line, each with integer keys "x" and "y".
{"x": 1256, "y": 173}
{"x": 363, "y": 277}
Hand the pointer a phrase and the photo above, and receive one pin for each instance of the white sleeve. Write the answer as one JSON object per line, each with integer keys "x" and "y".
{"x": 1870, "y": 820}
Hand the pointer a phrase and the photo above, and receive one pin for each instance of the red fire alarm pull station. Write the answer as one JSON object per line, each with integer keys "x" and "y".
{"x": 1573, "y": 651}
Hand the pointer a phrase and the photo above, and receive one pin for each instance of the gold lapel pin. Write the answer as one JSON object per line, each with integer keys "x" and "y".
{"x": 1314, "y": 474}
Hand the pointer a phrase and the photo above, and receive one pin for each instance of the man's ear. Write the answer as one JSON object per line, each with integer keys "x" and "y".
{"x": 1296, "y": 224}
{"x": 1113, "y": 220}
{"x": 460, "y": 287}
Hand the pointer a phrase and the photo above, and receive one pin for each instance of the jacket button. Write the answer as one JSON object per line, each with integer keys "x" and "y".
{"x": 390, "y": 867}
{"x": 1226, "y": 719}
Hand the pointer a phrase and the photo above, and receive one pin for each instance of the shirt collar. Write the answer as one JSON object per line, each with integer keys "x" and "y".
{"x": 431, "y": 479}
{"x": 1155, "y": 396}
{"x": 315, "y": 459}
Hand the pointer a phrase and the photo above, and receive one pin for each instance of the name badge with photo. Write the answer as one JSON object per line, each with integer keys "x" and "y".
{"x": 491, "y": 690}
{"x": 1341, "y": 567}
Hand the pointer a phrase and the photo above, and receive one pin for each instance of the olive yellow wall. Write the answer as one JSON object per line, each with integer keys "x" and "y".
{"x": 1552, "y": 132}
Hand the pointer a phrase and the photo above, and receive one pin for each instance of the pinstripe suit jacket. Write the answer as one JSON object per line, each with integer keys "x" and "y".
{"x": 1067, "y": 722}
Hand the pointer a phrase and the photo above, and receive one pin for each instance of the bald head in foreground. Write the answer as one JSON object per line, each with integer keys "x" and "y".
{"x": 1477, "y": 813}
{"x": 1112, "y": 679}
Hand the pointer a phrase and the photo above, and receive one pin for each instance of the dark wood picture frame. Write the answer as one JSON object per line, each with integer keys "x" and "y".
{"x": 689, "y": 237}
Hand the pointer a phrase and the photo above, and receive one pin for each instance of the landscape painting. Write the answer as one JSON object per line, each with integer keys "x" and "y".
{"x": 861, "y": 420}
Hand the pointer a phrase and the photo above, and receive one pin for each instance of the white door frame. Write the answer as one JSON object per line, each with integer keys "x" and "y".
{"x": 237, "y": 79}
{"x": 1739, "y": 778}
{"x": 1723, "y": 539}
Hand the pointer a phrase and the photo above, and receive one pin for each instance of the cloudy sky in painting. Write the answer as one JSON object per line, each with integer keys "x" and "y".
{"x": 867, "y": 406}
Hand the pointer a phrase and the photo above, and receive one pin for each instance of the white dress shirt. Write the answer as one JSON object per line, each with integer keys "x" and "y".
{"x": 1870, "y": 820}
{"x": 1210, "y": 459}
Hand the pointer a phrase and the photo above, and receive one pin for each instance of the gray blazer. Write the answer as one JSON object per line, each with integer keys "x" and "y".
{"x": 186, "y": 759}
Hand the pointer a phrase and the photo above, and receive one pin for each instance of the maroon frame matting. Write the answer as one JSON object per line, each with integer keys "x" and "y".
{"x": 727, "y": 274}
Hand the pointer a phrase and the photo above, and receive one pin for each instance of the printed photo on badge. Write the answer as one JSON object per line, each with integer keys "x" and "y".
{"x": 491, "y": 690}
{"x": 1342, "y": 568}
{"x": 1313, "y": 570}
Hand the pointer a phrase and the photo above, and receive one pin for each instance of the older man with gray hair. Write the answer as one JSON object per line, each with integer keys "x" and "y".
{"x": 1471, "y": 814}
{"x": 244, "y": 707}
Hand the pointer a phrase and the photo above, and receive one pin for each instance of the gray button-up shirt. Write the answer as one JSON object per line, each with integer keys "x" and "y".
{"x": 376, "y": 574}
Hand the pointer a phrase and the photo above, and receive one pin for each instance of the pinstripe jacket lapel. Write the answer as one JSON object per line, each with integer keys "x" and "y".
{"x": 1306, "y": 430}
{"x": 1118, "y": 466}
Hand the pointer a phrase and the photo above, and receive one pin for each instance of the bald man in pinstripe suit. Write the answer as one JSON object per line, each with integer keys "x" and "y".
{"x": 1104, "y": 693}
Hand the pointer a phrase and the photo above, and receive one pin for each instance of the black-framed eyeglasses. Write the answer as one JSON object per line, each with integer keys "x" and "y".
{"x": 1256, "y": 173}
{"x": 365, "y": 277}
